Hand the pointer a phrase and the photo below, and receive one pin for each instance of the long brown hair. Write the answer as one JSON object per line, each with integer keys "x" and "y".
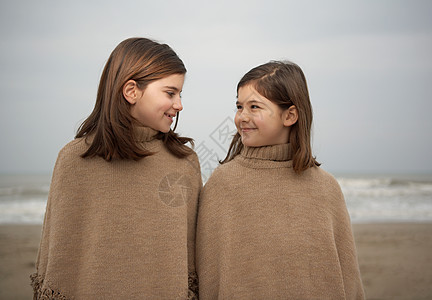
{"x": 111, "y": 123}
{"x": 283, "y": 83}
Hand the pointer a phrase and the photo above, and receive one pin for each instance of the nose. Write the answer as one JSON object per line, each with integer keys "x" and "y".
{"x": 177, "y": 105}
{"x": 244, "y": 116}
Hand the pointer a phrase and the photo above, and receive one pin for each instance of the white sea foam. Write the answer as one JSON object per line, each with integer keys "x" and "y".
{"x": 23, "y": 198}
{"x": 368, "y": 198}
{"x": 380, "y": 199}
{"x": 22, "y": 212}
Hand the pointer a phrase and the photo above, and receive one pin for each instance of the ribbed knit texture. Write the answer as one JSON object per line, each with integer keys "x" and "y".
{"x": 265, "y": 232}
{"x": 119, "y": 230}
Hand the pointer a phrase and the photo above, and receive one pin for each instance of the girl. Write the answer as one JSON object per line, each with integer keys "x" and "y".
{"x": 271, "y": 223}
{"x": 121, "y": 213}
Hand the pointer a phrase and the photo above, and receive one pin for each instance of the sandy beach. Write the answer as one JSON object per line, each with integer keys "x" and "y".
{"x": 395, "y": 260}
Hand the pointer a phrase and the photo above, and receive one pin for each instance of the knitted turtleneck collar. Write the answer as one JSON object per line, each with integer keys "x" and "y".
{"x": 144, "y": 134}
{"x": 280, "y": 152}
{"x": 266, "y": 157}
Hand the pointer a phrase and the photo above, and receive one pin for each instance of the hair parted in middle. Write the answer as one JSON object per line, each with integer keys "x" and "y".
{"x": 283, "y": 83}
{"x": 144, "y": 61}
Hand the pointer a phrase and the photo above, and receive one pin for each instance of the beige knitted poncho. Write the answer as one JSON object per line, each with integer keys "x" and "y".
{"x": 119, "y": 230}
{"x": 265, "y": 232}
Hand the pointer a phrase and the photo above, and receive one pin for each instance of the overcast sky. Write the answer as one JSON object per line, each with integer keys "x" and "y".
{"x": 368, "y": 66}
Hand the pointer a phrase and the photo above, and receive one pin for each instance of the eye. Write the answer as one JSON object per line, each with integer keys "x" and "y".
{"x": 253, "y": 106}
{"x": 170, "y": 94}
{"x": 239, "y": 107}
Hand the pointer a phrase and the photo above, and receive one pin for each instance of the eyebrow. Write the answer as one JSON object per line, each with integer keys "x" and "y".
{"x": 249, "y": 101}
{"x": 172, "y": 88}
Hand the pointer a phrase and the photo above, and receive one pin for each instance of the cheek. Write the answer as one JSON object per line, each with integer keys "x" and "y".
{"x": 162, "y": 104}
{"x": 165, "y": 105}
{"x": 237, "y": 121}
{"x": 258, "y": 119}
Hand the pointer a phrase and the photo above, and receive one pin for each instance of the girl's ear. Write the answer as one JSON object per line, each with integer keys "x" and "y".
{"x": 290, "y": 116}
{"x": 131, "y": 91}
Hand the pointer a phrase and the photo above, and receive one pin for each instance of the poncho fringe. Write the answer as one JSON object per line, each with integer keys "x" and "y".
{"x": 44, "y": 292}
{"x": 193, "y": 286}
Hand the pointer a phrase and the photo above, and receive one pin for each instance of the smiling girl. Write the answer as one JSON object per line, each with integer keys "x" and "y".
{"x": 121, "y": 213}
{"x": 271, "y": 223}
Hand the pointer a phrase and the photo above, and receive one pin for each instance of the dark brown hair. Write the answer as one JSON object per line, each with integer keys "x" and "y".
{"x": 111, "y": 123}
{"x": 284, "y": 84}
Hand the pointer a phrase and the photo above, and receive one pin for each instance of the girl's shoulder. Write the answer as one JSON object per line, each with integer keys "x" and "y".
{"x": 223, "y": 170}
{"x": 326, "y": 177}
{"x": 192, "y": 162}
{"x": 73, "y": 148}
{"x": 193, "y": 158}
{"x": 322, "y": 181}
{"x": 72, "y": 151}
{"x": 223, "y": 174}
{"x": 69, "y": 157}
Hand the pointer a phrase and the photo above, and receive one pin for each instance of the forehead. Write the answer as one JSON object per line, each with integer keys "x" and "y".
{"x": 248, "y": 93}
{"x": 174, "y": 80}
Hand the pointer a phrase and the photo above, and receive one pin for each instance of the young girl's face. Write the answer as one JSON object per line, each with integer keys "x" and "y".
{"x": 259, "y": 121}
{"x": 159, "y": 102}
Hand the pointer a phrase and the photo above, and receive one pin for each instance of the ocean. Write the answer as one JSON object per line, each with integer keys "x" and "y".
{"x": 369, "y": 198}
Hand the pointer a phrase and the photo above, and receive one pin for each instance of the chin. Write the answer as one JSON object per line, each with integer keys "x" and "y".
{"x": 165, "y": 130}
{"x": 250, "y": 143}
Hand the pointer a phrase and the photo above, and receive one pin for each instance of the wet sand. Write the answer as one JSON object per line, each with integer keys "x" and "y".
{"x": 395, "y": 259}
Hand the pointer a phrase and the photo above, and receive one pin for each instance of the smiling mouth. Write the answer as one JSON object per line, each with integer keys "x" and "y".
{"x": 247, "y": 129}
{"x": 170, "y": 116}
